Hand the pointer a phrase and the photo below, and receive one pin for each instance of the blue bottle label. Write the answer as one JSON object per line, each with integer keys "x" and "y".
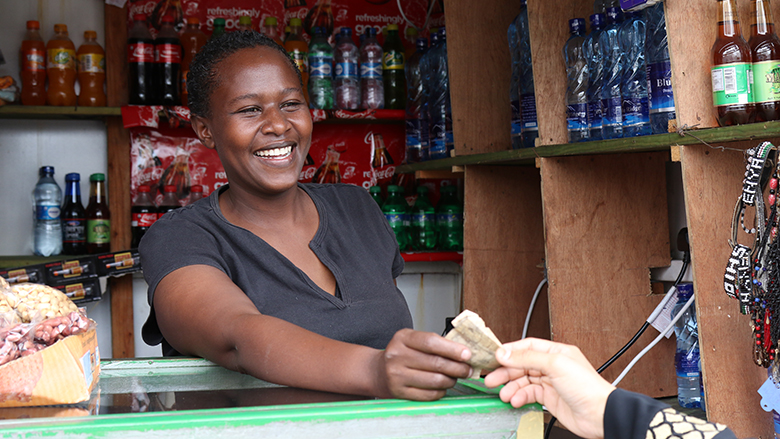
{"x": 371, "y": 70}
{"x": 516, "y": 121}
{"x": 635, "y": 112}
{"x": 346, "y": 70}
{"x": 320, "y": 65}
{"x": 687, "y": 363}
{"x": 47, "y": 213}
{"x": 449, "y": 139}
{"x": 613, "y": 111}
{"x": 528, "y": 112}
{"x": 397, "y": 219}
{"x": 413, "y": 132}
{"x": 595, "y": 114}
{"x": 577, "y": 117}
{"x": 423, "y": 219}
{"x": 438, "y": 139}
{"x": 659, "y": 82}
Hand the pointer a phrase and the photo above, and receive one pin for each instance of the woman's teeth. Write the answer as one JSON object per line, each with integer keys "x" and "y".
{"x": 275, "y": 152}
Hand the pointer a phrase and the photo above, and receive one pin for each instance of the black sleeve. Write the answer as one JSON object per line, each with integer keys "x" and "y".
{"x": 631, "y": 415}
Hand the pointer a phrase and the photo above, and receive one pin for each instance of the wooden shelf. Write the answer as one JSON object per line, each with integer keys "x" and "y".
{"x": 24, "y": 260}
{"x": 49, "y": 112}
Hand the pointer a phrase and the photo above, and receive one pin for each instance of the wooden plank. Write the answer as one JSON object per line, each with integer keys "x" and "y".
{"x": 606, "y": 223}
{"x": 52, "y": 112}
{"x": 504, "y": 246}
{"x": 712, "y": 182}
{"x": 479, "y": 90}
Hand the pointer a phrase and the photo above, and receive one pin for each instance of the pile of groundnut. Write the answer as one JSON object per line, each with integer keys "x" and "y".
{"x": 34, "y": 316}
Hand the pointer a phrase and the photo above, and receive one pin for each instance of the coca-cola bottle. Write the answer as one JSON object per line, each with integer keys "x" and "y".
{"x": 169, "y": 201}
{"x": 144, "y": 214}
{"x": 196, "y": 193}
{"x": 140, "y": 63}
{"x": 328, "y": 172}
{"x": 167, "y": 56}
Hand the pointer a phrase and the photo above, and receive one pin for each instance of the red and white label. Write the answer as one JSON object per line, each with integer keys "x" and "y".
{"x": 167, "y": 53}
{"x": 140, "y": 52}
{"x": 144, "y": 219}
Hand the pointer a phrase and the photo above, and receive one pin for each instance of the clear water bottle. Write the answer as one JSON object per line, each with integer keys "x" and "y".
{"x": 600, "y": 6}
{"x": 530, "y": 128}
{"x": 372, "y": 91}
{"x": 439, "y": 108}
{"x": 595, "y": 75}
{"x": 659, "y": 70}
{"x": 514, "y": 85}
{"x": 577, "y": 82}
{"x": 345, "y": 57}
{"x": 320, "y": 71}
{"x": 636, "y": 114}
{"x": 416, "y": 137}
{"x": 425, "y": 110}
{"x": 47, "y": 196}
{"x": 611, "y": 99}
{"x": 687, "y": 358}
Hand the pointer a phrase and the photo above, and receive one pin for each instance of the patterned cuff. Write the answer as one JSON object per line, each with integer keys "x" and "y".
{"x": 669, "y": 423}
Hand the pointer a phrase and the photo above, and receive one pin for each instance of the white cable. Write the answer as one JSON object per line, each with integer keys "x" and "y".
{"x": 427, "y": 16}
{"x": 654, "y": 342}
{"x": 531, "y": 307}
{"x": 657, "y": 311}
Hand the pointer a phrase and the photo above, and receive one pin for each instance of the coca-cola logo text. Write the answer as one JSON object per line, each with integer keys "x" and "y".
{"x": 140, "y": 53}
{"x": 168, "y": 53}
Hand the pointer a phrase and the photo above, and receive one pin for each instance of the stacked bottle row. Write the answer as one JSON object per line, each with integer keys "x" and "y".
{"x": 420, "y": 226}
{"x": 59, "y": 64}
{"x": 522, "y": 98}
{"x": 619, "y": 75}
{"x": 145, "y": 212}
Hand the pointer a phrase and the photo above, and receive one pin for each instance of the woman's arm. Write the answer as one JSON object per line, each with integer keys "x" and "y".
{"x": 201, "y": 312}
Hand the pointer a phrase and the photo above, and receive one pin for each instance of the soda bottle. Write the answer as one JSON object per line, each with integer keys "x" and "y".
{"x": 298, "y": 50}
{"x": 611, "y": 99}
{"x": 219, "y": 28}
{"x": 140, "y": 63}
{"x": 92, "y": 72}
{"x": 61, "y": 68}
{"x": 659, "y": 70}
{"x": 144, "y": 214}
{"x": 393, "y": 75}
{"x": 328, "y": 172}
{"x": 595, "y": 75}
{"x": 415, "y": 136}
{"x": 74, "y": 218}
{"x": 346, "y": 59}
{"x": 372, "y": 93}
{"x": 48, "y": 198}
{"x": 687, "y": 354}
{"x": 516, "y": 124}
{"x": 449, "y": 219}
{"x": 577, "y": 82}
{"x": 396, "y": 209}
{"x": 636, "y": 114}
{"x": 170, "y": 201}
{"x": 270, "y": 30}
{"x": 320, "y": 71}
{"x": 376, "y": 194}
{"x": 167, "y": 56}
{"x": 731, "y": 70}
{"x": 765, "y": 52}
{"x": 196, "y": 193}
{"x": 286, "y": 33}
{"x": 530, "y": 128}
{"x": 423, "y": 221}
{"x": 439, "y": 109}
{"x": 33, "y": 61}
{"x": 192, "y": 39}
{"x": 244, "y": 23}
{"x": 98, "y": 216}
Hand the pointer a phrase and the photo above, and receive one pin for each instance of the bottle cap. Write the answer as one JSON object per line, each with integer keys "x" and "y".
{"x": 613, "y": 15}
{"x": 169, "y": 188}
{"x": 245, "y": 20}
{"x": 523, "y": 2}
{"x": 442, "y": 33}
{"x": 411, "y": 32}
{"x": 61, "y": 28}
{"x": 139, "y": 17}
{"x": 295, "y": 21}
{"x": 421, "y": 43}
{"x": 448, "y": 189}
{"x": 167, "y": 19}
{"x": 597, "y": 21}
{"x": 576, "y": 25}
{"x": 370, "y": 32}
{"x": 422, "y": 189}
{"x": 97, "y": 177}
{"x": 319, "y": 31}
{"x": 270, "y": 21}
{"x": 684, "y": 289}
{"x": 46, "y": 170}
{"x": 196, "y": 188}
{"x": 347, "y": 31}
{"x": 73, "y": 176}
{"x": 394, "y": 188}
{"x": 193, "y": 20}
{"x": 33, "y": 24}
{"x": 392, "y": 27}
{"x": 219, "y": 22}
{"x": 374, "y": 189}
{"x": 90, "y": 35}
{"x": 144, "y": 188}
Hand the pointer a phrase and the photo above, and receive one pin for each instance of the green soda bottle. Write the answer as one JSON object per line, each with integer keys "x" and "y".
{"x": 219, "y": 28}
{"x": 393, "y": 75}
{"x": 396, "y": 212}
{"x": 423, "y": 221}
{"x": 449, "y": 215}
{"x": 376, "y": 194}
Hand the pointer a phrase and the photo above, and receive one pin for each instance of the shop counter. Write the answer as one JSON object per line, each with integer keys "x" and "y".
{"x": 193, "y": 398}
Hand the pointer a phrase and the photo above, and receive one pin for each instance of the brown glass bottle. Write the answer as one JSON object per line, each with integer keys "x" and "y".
{"x": 731, "y": 69}
{"x": 98, "y": 216}
{"x": 765, "y": 51}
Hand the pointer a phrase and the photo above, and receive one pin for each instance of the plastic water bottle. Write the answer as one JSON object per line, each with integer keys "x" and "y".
{"x": 577, "y": 78}
{"x": 659, "y": 70}
{"x": 687, "y": 358}
{"x": 320, "y": 71}
{"x": 416, "y": 138}
{"x": 514, "y": 85}
{"x": 425, "y": 111}
{"x": 600, "y": 6}
{"x": 47, "y": 196}
{"x": 530, "y": 128}
{"x": 439, "y": 104}
{"x": 372, "y": 91}
{"x": 611, "y": 100}
{"x": 595, "y": 75}
{"x": 636, "y": 114}
{"x": 346, "y": 61}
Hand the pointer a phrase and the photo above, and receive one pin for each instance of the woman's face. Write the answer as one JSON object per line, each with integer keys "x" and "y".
{"x": 260, "y": 124}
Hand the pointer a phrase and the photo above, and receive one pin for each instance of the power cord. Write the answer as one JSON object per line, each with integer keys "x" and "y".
{"x": 427, "y": 16}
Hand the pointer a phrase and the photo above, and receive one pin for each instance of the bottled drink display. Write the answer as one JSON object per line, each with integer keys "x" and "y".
{"x": 595, "y": 75}
{"x": 372, "y": 94}
{"x": 244, "y": 23}
{"x": 765, "y": 53}
{"x": 427, "y": 79}
{"x": 416, "y": 138}
{"x": 170, "y": 200}
{"x": 376, "y": 194}
{"x": 687, "y": 356}
{"x": 98, "y": 216}
{"x": 423, "y": 216}
{"x": 61, "y": 68}
{"x": 192, "y": 40}
{"x": 298, "y": 50}
{"x": 346, "y": 59}
{"x": 74, "y": 218}
{"x": 92, "y": 72}
{"x": 48, "y": 199}
{"x": 396, "y": 213}
{"x": 659, "y": 70}
{"x": 140, "y": 63}
{"x": 393, "y": 75}
{"x": 269, "y": 29}
{"x": 144, "y": 214}
{"x": 439, "y": 109}
{"x": 577, "y": 82}
{"x": 731, "y": 70}
{"x": 514, "y": 86}
{"x": 530, "y": 127}
{"x": 449, "y": 220}
{"x": 636, "y": 115}
{"x": 219, "y": 28}
{"x": 33, "y": 64}
{"x": 320, "y": 71}
{"x": 611, "y": 100}
{"x": 167, "y": 56}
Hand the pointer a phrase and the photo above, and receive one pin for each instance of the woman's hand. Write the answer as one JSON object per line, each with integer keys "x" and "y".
{"x": 557, "y": 376}
{"x": 422, "y": 365}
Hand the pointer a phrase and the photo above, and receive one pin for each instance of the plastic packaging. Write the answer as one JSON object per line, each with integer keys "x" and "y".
{"x": 167, "y": 56}
{"x": 320, "y": 72}
{"x": 687, "y": 358}
{"x": 439, "y": 108}
{"x": 346, "y": 59}
{"x": 530, "y": 128}
{"x": 140, "y": 60}
{"x": 48, "y": 199}
{"x": 33, "y": 64}
{"x": 516, "y": 124}
{"x": 61, "y": 68}
{"x": 92, "y": 72}
{"x": 595, "y": 75}
{"x": 372, "y": 95}
{"x": 659, "y": 70}
{"x": 144, "y": 214}
{"x": 416, "y": 126}
{"x": 611, "y": 99}
{"x": 636, "y": 114}
{"x": 577, "y": 82}
{"x": 170, "y": 200}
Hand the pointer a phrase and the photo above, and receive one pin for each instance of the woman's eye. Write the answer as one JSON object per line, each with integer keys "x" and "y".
{"x": 249, "y": 110}
{"x": 291, "y": 105}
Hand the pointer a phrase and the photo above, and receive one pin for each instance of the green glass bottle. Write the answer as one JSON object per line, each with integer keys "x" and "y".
{"x": 376, "y": 194}
{"x": 396, "y": 210}
{"x": 449, "y": 215}
{"x": 423, "y": 221}
{"x": 393, "y": 74}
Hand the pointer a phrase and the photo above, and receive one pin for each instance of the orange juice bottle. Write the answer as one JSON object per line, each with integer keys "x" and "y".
{"x": 61, "y": 68}
{"x": 192, "y": 39}
{"x": 296, "y": 46}
{"x": 33, "y": 57}
{"x": 92, "y": 71}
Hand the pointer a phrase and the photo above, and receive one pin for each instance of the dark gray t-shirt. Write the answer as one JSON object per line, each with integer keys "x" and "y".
{"x": 353, "y": 240}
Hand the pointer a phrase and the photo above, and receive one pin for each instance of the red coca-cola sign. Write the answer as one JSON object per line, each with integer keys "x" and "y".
{"x": 144, "y": 219}
{"x": 140, "y": 52}
{"x": 167, "y": 53}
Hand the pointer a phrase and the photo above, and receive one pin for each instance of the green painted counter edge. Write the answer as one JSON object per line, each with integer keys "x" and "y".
{"x": 51, "y": 112}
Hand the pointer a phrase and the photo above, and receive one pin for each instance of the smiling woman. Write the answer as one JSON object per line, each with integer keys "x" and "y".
{"x": 291, "y": 283}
